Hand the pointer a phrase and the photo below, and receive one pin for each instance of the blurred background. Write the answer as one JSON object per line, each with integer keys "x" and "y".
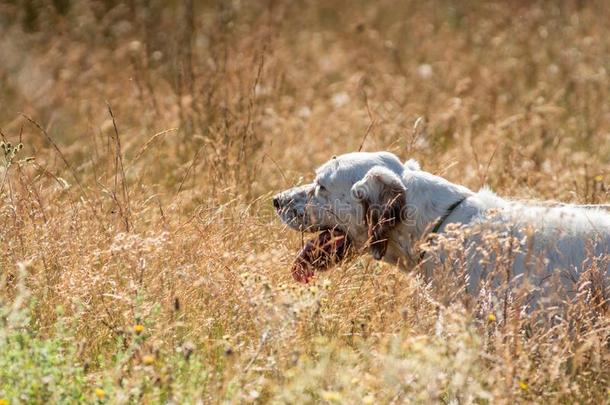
{"x": 140, "y": 258}
{"x": 514, "y": 94}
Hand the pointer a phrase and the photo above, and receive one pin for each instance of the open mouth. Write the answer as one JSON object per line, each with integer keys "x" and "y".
{"x": 320, "y": 253}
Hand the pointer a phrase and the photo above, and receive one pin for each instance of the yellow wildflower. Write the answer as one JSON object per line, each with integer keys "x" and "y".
{"x": 148, "y": 359}
{"x": 4, "y": 401}
{"x": 139, "y": 328}
{"x": 523, "y": 385}
{"x": 99, "y": 393}
{"x": 491, "y": 318}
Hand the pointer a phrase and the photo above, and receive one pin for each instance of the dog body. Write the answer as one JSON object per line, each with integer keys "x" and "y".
{"x": 390, "y": 208}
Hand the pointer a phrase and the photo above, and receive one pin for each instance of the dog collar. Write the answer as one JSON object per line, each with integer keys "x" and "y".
{"x": 439, "y": 223}
{"x": 449, "y": 211}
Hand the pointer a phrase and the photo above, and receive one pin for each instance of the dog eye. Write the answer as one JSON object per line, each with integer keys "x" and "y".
{"x": 320, "y": 188}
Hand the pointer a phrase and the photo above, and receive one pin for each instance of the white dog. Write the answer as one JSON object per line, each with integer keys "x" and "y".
{"x": 390, "y": 207}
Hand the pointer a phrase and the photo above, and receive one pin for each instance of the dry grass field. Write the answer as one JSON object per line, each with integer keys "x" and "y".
{"x": 141, "y": 260}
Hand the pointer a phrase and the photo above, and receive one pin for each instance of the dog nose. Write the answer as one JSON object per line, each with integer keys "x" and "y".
{"x": 276, "y": 203}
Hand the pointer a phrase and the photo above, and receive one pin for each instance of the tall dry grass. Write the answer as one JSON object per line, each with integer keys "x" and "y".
{"x": 140, "y": 258}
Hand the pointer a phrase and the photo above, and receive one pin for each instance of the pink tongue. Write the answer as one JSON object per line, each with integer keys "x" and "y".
{"x": 302, "y": 273}
{"x": 319, "y": 254}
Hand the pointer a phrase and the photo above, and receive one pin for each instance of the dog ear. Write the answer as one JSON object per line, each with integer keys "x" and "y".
{"x": 383, "y": 198}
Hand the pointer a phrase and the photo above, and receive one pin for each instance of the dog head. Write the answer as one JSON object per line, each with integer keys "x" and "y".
{"x": 361, "y": 194}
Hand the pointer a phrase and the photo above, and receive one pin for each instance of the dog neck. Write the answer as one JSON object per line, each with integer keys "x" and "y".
{"x": 429, "y": 198}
